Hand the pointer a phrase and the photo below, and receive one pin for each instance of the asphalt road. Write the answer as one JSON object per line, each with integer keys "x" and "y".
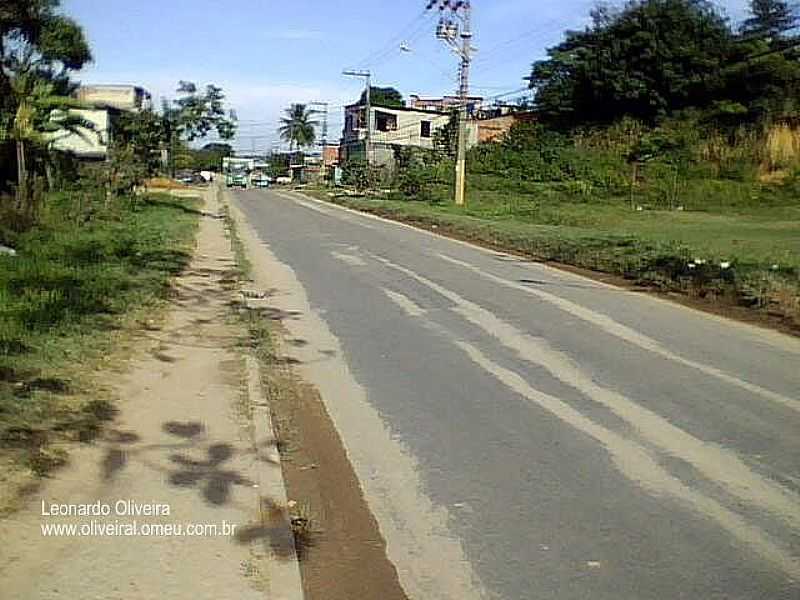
{"x": 564, "y": 439}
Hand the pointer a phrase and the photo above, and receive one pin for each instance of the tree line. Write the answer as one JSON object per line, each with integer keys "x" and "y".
{"x": 651, "y": 59}
{"x": 40, "y": 51}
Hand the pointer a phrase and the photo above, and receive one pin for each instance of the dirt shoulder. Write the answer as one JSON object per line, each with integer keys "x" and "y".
{"x": 341, "y": 550}
{"x": 184, "y": 476}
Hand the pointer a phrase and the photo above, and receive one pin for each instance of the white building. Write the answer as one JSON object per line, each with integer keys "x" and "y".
{"x": 391, "y": 127}
{"x": 102, "y": 102}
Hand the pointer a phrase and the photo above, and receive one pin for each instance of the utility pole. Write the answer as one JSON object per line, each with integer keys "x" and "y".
{"x": 324, "y": 112}
{"x": 455, "y": 29}
{"x": 368, "y": 117}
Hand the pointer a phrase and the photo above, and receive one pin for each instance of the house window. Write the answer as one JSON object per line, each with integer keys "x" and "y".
{"x": 385, "y": 121}
{"x": 425, "y": 129}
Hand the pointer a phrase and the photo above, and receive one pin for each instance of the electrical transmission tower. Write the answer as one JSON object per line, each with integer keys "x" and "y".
{"x": 455, "y": 29}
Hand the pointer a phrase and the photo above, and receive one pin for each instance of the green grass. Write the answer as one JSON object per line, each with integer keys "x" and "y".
{"x": 759, "y": 234}
{"x": 72, "y": 287}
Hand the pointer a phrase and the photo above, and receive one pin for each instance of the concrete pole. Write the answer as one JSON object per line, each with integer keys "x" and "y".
{"x": 463, "y": 93}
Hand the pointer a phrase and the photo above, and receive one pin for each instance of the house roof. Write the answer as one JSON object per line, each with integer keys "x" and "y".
{"x": 400, "y": 108}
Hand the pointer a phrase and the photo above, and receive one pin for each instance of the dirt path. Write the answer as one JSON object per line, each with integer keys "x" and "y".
{"x": 183, "y": 443}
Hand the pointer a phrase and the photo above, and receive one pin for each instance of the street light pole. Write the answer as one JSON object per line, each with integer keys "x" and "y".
{"x": 368, "y": 101}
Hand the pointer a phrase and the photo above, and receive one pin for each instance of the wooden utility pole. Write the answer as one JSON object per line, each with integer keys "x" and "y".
{"x": 368, "y": 108}
{"x": 455, "y": 29}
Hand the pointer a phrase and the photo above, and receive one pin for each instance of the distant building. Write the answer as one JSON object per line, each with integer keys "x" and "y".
{"x": 391, "y": 127}
{"x": 480, "y": 131}
{"x": 330, "y": 155}
{"x": 103, "y": 104}
{"x": 120, "y": 97}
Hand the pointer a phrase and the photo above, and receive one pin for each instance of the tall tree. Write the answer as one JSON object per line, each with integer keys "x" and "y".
{"x": 38, "y": 49}
{"x": 770, "y": 18}
{"x": 297, "y": 127}
{"x": 383, "y": 96}
{"x": 646, "y": 60}
{"x": 194, "y": 115}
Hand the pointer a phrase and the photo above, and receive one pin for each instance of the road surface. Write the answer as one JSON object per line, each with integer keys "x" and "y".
{"x": 521, "y": 432}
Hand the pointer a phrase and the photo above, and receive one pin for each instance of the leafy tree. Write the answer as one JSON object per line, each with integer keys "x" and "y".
{"x": 218, "y": 148}
{"x": 646, "y": 60}
{"x": 194, "y": 115}
{"x": 770, "y": 18}
{"x": 207, "y": 158}
{"x": 445, "y": 139}
{"x": 138, "y": 137}
{"x": 198, "y": 113}
{"x": 298, "y": 128}
{"x": 383, "y": 96}
{"x": 36, "y": 44}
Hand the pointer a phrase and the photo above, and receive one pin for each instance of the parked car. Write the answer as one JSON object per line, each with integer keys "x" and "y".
{"x": 283, "y": 180}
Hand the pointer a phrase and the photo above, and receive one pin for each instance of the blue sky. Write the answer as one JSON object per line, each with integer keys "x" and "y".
{"x": 266, "y": 54}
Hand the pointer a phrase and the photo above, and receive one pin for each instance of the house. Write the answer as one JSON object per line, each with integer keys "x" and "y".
{"x": 492, "y": 129}
{"x": 392, "y": 126}
{"x": 103, "y": 104}
{"x": 330, "y": 155}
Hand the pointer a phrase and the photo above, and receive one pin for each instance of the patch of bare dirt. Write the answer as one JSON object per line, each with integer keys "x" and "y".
{"x": 344, "y": 557}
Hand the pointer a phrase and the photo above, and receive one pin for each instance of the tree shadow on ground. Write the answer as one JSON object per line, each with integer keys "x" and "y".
{"x": 285, "y": 534}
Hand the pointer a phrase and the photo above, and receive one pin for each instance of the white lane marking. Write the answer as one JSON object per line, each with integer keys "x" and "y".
{"x": 760, "y": 335}
{"x": 316, "y": 208}
{"x": 631, "y": 459}
{"x": 417, "y": 531}
{"x": 714, "y": 462}
{"x": 350, "y": 259}
{"x": 628, "y": 334}
{"x": 636, "y": 464}
{"x": 406, "y": 303}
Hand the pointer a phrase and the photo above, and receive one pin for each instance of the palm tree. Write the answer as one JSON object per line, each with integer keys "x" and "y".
{"x": 42, "y": 112}
{"x": 298, "y": 129}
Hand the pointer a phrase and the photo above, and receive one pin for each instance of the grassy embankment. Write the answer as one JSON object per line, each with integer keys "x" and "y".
{"x": 79, "y": 280}
{"x": 754, "y": 228}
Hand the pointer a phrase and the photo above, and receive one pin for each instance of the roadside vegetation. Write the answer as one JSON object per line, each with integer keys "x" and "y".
{"x": 80, "y": 277}
{"x": 662, "y": 146}
{"x": 86, "y": 254}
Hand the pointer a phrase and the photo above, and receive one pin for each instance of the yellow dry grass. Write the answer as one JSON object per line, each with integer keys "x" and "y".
{"x": 782, "y": 147}
{"x": 163, "y": 183}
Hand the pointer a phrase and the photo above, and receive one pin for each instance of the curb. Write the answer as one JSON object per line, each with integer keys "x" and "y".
{"x": 284, "y": 581}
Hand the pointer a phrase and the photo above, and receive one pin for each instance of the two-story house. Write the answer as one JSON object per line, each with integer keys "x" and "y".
{"x": 103, "y": 103}
{"x": 391, "y": 126}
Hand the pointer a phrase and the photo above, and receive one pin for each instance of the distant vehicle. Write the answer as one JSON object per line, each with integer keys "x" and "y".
{"x": 236, "y": 179}
{"x": 260, "y": 181}
{"x": 283, "y": 180}
{"x": 237, "y": 171}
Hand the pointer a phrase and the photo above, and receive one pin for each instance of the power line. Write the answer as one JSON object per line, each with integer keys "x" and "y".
{"x": 419, "y": 22}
